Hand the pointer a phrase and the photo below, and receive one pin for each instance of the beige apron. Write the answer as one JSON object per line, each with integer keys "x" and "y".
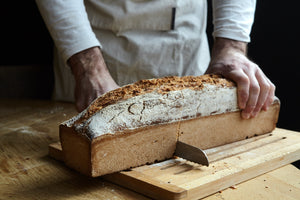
{"x": 144, "y": 39}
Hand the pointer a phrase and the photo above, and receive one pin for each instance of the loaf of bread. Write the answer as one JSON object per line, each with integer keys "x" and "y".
{"x": 141, "y": 123}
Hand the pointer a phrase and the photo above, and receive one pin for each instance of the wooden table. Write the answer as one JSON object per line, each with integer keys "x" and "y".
{"x": 27, "y": 127}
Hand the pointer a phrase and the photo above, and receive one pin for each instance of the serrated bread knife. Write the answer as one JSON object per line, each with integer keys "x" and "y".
{"x": 191, "y": 153}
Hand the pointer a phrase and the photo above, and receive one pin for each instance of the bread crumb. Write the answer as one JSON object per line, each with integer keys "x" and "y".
{"x": 233, "y": 187}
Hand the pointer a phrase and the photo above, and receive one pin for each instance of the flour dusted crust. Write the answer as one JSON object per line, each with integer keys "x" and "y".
{"x": 156, "y": 101}
{"x": 140, "y": 123}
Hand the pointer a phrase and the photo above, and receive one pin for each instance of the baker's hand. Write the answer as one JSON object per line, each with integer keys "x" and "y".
{"x": 91, "y": 76}
{"x": 255, "y": 90}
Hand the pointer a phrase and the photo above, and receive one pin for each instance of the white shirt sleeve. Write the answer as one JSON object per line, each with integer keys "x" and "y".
{"x": 233, "y": 19}
{"x": 69, "y": 26}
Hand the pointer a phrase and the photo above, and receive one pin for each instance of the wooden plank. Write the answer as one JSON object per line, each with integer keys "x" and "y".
{"x": 275, "y": 185}
{"x": 230, "y": 164}
{"x": 256, "y": 157}
{"x": 26, "y": 172}
{"x": 55, "y": 151}
{"x": 137, "y": 181}
{"x": 147, "y": 185}
{"x": 284, "y": 174}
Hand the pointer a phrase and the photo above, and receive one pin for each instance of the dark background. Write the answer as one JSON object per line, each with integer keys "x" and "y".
{"x": 274, "y": 47}
{"x": 26, "y": 53}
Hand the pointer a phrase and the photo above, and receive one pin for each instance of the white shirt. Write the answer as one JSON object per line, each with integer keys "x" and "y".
{"x": 136, "y": 37}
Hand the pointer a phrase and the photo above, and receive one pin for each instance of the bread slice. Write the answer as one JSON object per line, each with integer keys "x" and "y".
{"x": 141, "y": 123}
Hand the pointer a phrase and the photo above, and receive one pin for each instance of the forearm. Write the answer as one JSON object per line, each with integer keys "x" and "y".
{"x": 91, "y": 76}
{"x": 69, "y": 26}
{"x": 221, "y": 44}
{"x": 88, "y": 61}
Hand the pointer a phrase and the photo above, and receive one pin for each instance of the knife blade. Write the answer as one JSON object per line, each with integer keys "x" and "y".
{"x": 191, "y": 153}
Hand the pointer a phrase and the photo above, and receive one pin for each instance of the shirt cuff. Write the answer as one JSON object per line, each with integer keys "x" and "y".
{"x": 77, "y": 47}
{"x": 232, "y": 34}
{"x": 233, "y": 19}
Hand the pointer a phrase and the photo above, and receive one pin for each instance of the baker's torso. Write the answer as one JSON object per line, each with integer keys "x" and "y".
{"x": 144, "y": 39}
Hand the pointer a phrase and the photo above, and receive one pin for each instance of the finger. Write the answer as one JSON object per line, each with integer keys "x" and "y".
{"x": 243, "y": 85}
{"x": 79, "y": 105}
{"x": 254, "y": 91}
{"x": 89, "y": 100}
{"x": 265, "y": 86}
{"x": 81, "y": 100}
{"x": 78, "y": 100}
{"x": 270, "y": 97}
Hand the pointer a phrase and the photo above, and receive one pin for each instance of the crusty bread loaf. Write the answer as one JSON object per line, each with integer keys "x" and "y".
{"x": 141, "y": 123}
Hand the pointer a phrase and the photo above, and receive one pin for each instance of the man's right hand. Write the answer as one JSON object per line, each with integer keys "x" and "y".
{"x": 91, "y": 76}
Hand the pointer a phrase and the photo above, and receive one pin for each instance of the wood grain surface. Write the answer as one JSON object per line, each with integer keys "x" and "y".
{"x": 27, "y": 127}
{"x": 230, "y": 164}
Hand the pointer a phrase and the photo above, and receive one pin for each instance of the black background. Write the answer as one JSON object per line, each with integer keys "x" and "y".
{"x": 274, "y": 46}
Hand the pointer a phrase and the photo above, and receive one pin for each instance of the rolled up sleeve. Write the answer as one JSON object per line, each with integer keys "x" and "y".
{"x": 69, "y": 26}
{"x": 233, "y": 19}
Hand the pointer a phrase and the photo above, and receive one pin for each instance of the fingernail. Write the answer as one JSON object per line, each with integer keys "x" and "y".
{"x": 245, "y": 115}
{"x": 254, "y": 113}
{"x": 266, "y": 108}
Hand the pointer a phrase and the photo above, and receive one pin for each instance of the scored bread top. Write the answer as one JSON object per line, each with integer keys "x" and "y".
{"x": 156, "y": 101}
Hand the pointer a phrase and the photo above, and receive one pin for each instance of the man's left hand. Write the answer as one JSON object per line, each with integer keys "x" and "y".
{"x": 255, "y": 90}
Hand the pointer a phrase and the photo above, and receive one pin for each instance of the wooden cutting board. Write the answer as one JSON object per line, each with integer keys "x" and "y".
{"x": 229, "y": 165}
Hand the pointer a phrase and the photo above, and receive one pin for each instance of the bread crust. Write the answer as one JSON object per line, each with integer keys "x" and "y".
{"x": 160, "y": 85}
{"x": 122, "y": 148}
{"x": 156, "y": 101}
